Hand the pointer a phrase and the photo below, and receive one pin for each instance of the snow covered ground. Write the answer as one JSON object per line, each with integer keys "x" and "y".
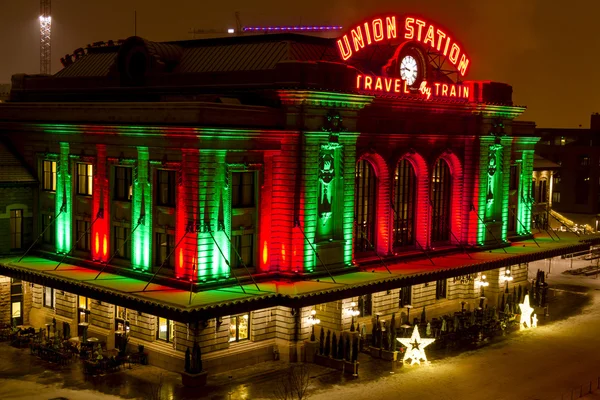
{"x": 543, "y": 363}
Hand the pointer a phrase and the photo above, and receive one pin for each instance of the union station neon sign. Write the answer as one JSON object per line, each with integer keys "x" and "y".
{"x": 416, "y": 29}
{"x": 387, "y": 85}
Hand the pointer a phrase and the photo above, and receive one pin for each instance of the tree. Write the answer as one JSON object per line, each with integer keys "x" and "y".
{"x": 328, "y": 344}
{"x": 385, "y": 344}
{"x": 393, "y": 333}
{"x": 321, "y": 341}
{"x": 334, "y": 347}
{"x": 293, "y": 384}
{"x": 423, "y": 316}
{"x": 340, "y": 353}
{"x": 347, "y": 347}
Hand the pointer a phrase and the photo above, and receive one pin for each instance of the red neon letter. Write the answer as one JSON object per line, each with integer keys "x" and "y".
{"x": 368, "y": 82}
{"x": 406, "y": 91}
{"x": 378, "y": 84}
{"x": 444, "y": 90}
{"x": 463, "y": 64}
{"x": 447, "y": 44}
{"x": 388, "y": 84}
{"x": 367, "y": 33}
{"x": 441, "y": 37}
{"x": 454, "y": 53}
{"x": 391, "y": 27}
{"x": 437, "y": 89}
{"x": 429, "y": 37}
{"x": 410, "y": 30}
{"x": 453, "y": 91}
{"x": 378, "y": 30}
{"x": 397, "y": 85}
{"x": 465, "y": 92}
{"x": 345, "y": 52}
{"x": 421, "y": 25}
{"x": 357, "y": 38}
{"x": 358, "y": 81}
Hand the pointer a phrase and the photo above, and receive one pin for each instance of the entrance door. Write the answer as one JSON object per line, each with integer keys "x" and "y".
{"x": 16, "y": 302}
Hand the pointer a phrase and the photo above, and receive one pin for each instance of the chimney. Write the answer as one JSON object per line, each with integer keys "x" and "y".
{"x": 595, "y": 122}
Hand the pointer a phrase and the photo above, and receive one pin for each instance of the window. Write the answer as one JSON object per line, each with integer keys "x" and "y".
{"x": 85, "y": 179}
{"x": 164, "y": 330}
{"x": 512, "y": 218}
{"x": 440, "y": 289}
{"x": 405, "y": 194}
{"x": 16, "y": 229}
{"x": 123, "y": 184}
{"x": 83, "y": 235}
{"x": 533, "y": 191}
{"x": 242, "y": 189}
{"x": 365, "y": 305}
{"x": 365, "y": 211}
{"x": 165, "y": 188}
{"x": 244, "y": 244}
{"x": 584, "y": 161}
{"x": 556, "y": 197}
{"x": 49, "y": 300}
{"x": 121, "y": 322}
{"x": 165, "y": 243}
{"x": 49, "y": 175}
{"x": 16, "y": 301}
{"x": 514, "y": 177}
{"x": 49, "y": 231}
{"x": 120, "y": 242}
{"x": 83, "y": 308}
{"x": 405, "y": 296}
{"x": 556, "y": 178}
{"x": 543, "y": 196}
{"x": 582, "y": 189}
{"x": 441, "y": 191}
{"x": 239, "y": 327}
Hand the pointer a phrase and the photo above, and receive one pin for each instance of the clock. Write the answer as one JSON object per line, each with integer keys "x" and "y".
{"x": 409, "y": 70}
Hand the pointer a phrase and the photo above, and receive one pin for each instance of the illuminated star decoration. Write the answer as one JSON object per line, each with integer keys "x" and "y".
{"x": 526, "y": 312}
{"x": 415, "y": 347}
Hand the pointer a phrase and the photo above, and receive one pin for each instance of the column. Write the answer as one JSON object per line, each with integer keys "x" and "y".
{"x": 64, "y": 197}
{"x": 141, "y": 246}
{"x": 100, "y": 207}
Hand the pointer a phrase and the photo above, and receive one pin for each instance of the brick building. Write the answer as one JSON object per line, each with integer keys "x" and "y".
{"x": 220, "y": 190}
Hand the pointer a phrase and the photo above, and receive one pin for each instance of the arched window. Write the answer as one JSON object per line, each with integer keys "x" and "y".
{"x": 405, "y": 193}
{"x": 365, "y": 211}
{"x": 441, "y": 193}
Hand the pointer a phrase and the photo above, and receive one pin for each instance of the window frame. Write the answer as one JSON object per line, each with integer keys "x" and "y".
{"x": 159, "y": 258}
{"x": 45, "y": 297}
{"x": 366, "y": 185}
{"x": 441, "y": 289}
{"x": 85, "y": 311}
{"x": 125, "y": 245}
{"x": 237, "y": 318}
{"x": 405, "y": 196}
{"x": 16, "y": 235}
{"x": 239, "y": 200}
{"x": 88, "y": 179}
{"x": 85, "y": 244}
{"x": 119, "y": 320}
{"x": 171, "y": 185}
{"x": 120, "y": 183}
{"x": 51, "y": 187}
{"x": 365, "y": 305}
{"x": 170, "y": 334}
{"x": 403, "y": 298}
{"x": 442, "y": 183}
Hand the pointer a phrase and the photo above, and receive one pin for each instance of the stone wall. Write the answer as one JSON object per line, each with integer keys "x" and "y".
{"x": 5, "y": 300}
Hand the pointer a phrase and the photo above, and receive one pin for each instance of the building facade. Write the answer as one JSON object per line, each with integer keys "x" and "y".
{"x": 217, "y": 191}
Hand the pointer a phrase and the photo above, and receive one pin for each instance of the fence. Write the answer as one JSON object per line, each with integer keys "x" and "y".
{"x": 582, "y": 390}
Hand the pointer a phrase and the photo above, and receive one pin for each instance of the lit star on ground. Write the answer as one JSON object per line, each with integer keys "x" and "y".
{"x": 415, "y": 347}
{"x": 526, "y": 312}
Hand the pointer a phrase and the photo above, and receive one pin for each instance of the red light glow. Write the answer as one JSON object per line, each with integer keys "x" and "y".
{"x": 415, "y": 29}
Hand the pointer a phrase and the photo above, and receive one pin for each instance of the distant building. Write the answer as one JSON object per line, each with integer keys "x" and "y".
{"x": 576, "y": 186}
{"x": 4, "y": 92}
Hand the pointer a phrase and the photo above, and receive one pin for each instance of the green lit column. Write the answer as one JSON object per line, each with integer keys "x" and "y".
{"x": 505, "y": 184}
{"x": 525, "y": 200}
{"x": 63, "y": 200}
{"x": 348, "y": 168}
{"x": 141, "y": 213}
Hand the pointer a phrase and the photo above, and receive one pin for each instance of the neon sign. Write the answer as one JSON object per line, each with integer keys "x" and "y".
{"x": 390, "y": 85}
{"x": 415, "y": 29}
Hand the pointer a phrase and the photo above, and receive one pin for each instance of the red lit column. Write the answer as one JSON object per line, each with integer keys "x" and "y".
{"x": 422, "y": 221}
{"x": 265, "y": 255}
{"x": 186, "y": 263}
{"x": 100, "y": 206}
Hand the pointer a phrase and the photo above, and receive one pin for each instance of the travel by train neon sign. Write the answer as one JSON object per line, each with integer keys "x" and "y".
{"x": 397, "y": 86}
{"x": 384, "y": 29}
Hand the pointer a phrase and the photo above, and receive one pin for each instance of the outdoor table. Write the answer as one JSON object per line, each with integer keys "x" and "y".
{"x": 406, "y": 327}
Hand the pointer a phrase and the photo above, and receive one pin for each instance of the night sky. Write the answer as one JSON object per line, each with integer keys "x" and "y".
{"x": 547, "y": 50}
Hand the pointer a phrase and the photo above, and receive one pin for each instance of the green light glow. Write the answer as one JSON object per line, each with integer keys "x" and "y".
{"x": 142, "y": 206}
{"x": 63, "y": 199}
{"x": 525, "y": 201}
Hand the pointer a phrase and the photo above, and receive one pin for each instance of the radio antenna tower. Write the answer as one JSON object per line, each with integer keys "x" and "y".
{"x": 45, "y": 39}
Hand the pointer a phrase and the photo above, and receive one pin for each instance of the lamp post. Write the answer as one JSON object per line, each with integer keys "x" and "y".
{"x": 352, "y": 312}
{"x": 408, "y": 307}
{"x": 481, "y": 282}
{"x": 312, "y": 321}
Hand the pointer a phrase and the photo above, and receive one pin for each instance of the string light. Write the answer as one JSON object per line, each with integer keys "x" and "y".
{"x": 303, "y": 28}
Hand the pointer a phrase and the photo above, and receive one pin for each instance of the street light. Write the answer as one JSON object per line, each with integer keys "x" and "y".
{"x": 481, "y": 282}
{"x": 312, "y": 321}
{"x": 352, "y": 312}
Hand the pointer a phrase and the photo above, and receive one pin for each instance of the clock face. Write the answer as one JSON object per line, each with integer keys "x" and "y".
{"x": 409, "y": 70}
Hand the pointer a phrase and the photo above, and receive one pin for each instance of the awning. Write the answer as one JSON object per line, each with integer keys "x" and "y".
{"x": 184, "y": 306}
